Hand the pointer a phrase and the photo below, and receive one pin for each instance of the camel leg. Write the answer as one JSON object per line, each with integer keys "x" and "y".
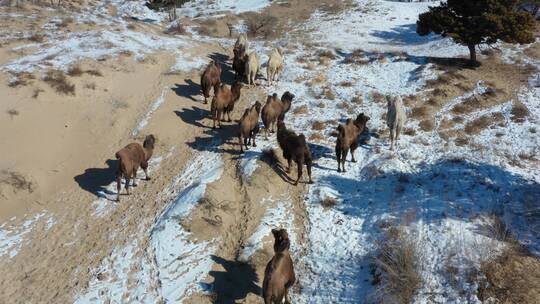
{"x": 398, "y": 131}
{"x": 144, "y": 166}
{"x": 287, "y": 298}
{"x": 289, "y": 165}
{"x": 338, "y": 156}
{"x": 127, "y": 185}
{"x": 135, "y": 177}
{"x": 391, "y": 139}
{"x": 118, "y": 185}
{"x": 229, "y": 115}
{"x": 343, "y": 158}
{"x": 253, "y": 136}
{"x": 299, "y": 164}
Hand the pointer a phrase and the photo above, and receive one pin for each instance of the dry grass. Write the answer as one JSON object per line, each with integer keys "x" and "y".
{"x": 57, "y": 80}
{"x": 377, "y": 97}
{"x": 325, "y": 56}
{"x": 36, "y": 92}
{"x": 519, "y": 112}
{"x": 513, "y": 277}
{"x": 427, "y": 125}
{"x": 357, "y": 57}
{"x": 328, "y": 93}
{"x": 265, "y": 25}
{"x": 90, "y": 86}
{"x": 357, "y": 100}
{"x": 461, "y": 141}
{"x": 65, "y": 22}
{"x": 420, "y": 112}
{"x": 346, "y": 84}
{"x": 16, "y": 181}
{"x": 38, "y": 38}
{"x": 318, "y": 125}
{"x": 131, "y": 26}
{"x": 94, "y": 73}
{"x": 20, "y": 79}
{"x": 12, "y": 113}
{"x": 301, "y": 110}
{"x": 75, "y": 71}
{"x": 476, "y": 126}
{"x": 176, "y": 29}
{"x": 409, "y": 131}
{"x": 397, "y": 267}
{"x": 328, "y": 202}
{"x": 316, "y": 137}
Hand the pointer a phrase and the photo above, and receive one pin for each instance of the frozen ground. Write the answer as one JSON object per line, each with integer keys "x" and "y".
{"x": 442, "y": 193}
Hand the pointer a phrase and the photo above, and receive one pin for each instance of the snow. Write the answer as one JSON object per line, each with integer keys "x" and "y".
{"x": 106, "y": 201}
{"x": 12, "y": 237}
{"x": 170, "y": 265}
{"x": 274, "y": 217}
{"x": 199, "y": 8}
{"x": 153, "y": 108}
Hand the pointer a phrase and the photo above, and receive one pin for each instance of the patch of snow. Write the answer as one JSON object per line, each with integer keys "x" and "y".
{"x": 153, "y": 108}
{"x": 199, "y": 8}
{"x": 12, "y": 238}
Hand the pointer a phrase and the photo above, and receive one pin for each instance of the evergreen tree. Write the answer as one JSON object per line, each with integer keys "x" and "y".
{"x": 473, "y": 22}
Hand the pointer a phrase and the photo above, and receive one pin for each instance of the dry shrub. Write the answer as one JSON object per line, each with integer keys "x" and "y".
{"x": 461, "y": 141}
{"x": 58, "y": 81}
{"x": 377, "y": 97}
{"x": 318, "y": 125}
{"x": 20, "y": 79}
{"x": 328, "y": 93}
{"x": 326, "y": 55}
{"x": 65, "y": 22}
{"x": 176, "y": 29}
{"x": 264, "y": 25}
{"x": 513, "y": 277}
{"x": 131, "y": 26}
{"x": 519, "y": 112}
{"x": 301, "y": 110}
{"x": 38, "y": 38}
{"x": 94, "y": 73}
{"x": 328, "y": 202}
{"x": 476, "y": 126}
{"x": 16, "y": 181}
{"x": 316, "y": 137}
{"x": 90, "y": 86}
{"x": 419, "y": 112}
{"x": 346, "y": 84}
{"x": 357, "y": 100}
{"x": 357, "y": 57}
{"x": 75, "y": 71}
{"x": 12, "y": 113}
{"x": 427, "y": 125}
{"x": 36, "y": 92}
{"x": 409, "y": 131}
{"x": 397, "y": 267}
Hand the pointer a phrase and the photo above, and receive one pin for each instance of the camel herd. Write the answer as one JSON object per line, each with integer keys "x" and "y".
{"x": 279, "y": 274}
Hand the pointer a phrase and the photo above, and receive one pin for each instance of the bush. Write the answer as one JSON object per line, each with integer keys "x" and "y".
{"x": 58, "y": 81}
{"x": 397, "y": 267}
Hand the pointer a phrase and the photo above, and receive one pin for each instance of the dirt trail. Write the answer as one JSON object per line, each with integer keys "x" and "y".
{"x": 65, "y": 255}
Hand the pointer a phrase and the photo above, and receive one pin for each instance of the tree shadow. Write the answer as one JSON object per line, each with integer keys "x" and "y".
{"x": 235, "y": 283}
{"x": 455, "y": 189}
{"x": 188, "y": 90}
{"x": 403, "y": 35}
{"x": 96, "y": 180}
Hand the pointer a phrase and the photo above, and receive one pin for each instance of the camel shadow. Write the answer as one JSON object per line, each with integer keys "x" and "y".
{"x": 235, "y": 283}
{"x": 96, "y": 180}
{"x": 193, "y": 116}
{"x": 188, "y": 90}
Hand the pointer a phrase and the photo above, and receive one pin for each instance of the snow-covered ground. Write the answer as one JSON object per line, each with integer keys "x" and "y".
{"x": 440, "y": 192}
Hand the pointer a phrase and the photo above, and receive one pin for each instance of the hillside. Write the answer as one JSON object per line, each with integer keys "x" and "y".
{"x": 449, "y": 216}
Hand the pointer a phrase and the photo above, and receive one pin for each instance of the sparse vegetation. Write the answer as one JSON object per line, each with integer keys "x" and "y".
{"x": 301, "y": 110}
{"x": 318, "y": 125}
{"x": 16, "y": 181}
{"x": 36, "y": 92}
{"x": 519, "y": 112}
{"x": 477, "y": 125}
{"x": 265, "y": 25}
{"x": 58, "y": 81}
{"x": 37, "y": 37}
{"x": 75, "y": 71}
{"x": 397, "y": 267}
{"x": 12, "y": 113}
{"x": 328, "y": 202}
